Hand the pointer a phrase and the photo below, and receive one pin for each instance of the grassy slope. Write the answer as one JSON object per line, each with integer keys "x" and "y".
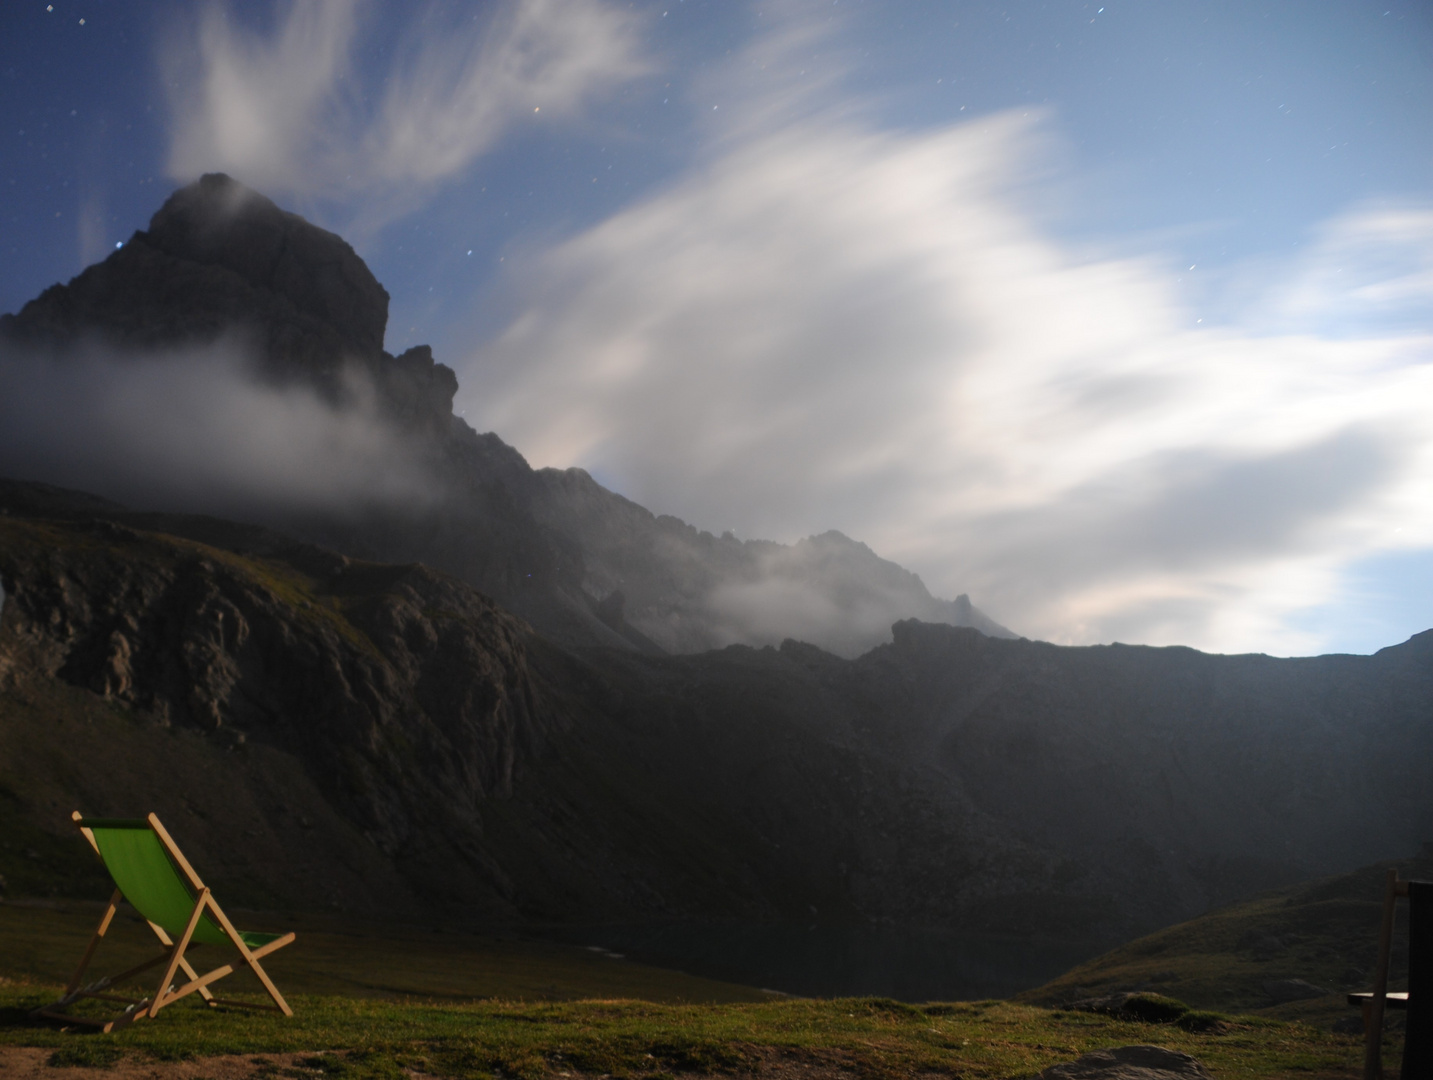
{"x": 1325, "y": 932}
{"x": 868, "y": 1037}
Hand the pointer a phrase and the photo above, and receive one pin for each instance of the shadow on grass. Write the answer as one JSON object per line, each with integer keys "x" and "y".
{"x": 18, "y": 1016}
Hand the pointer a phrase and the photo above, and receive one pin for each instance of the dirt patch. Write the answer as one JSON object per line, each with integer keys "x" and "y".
{"x": 33, "y": 1063}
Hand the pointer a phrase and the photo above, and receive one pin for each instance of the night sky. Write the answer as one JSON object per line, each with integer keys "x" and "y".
{"x": 1118, "y": 317}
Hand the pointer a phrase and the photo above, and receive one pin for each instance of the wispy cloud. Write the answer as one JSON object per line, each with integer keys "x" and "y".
{"x": 290, "y": 111}
{"x": 824, "y": 325}
{"x": 1371, "y": 270}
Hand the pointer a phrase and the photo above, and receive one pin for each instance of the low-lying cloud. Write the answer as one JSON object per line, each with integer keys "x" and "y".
{"x": 828, "y": 326}
{"x": 193, "y": 429}
{"x": 288, "y": 112}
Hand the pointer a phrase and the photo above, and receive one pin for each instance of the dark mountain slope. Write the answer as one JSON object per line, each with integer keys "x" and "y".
{"x": 389, "y": 710}
{"x": 403, "y": 697}
{"x": 948, "y": 779}
{"x": 1185, "y": 778}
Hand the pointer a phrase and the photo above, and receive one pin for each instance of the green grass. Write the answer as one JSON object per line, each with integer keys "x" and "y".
{"x": 383, "y": 1003}
{"x": 367, "y": 1037}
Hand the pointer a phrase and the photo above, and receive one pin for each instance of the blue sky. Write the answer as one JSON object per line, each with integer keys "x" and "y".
{"x": 1115, "y": 316}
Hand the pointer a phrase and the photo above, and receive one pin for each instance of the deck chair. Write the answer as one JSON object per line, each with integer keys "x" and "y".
{"x": 151, "y": 873}
{"x": 1417, "y": 1000}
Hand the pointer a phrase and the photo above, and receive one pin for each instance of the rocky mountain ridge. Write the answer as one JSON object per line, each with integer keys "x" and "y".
{"x": 220, "y": 262}
{"x": 445, "y": 757}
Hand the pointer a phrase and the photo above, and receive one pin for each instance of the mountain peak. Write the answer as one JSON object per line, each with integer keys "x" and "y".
{"x": 221, "y": 260}
{"x": 217, "y": 221}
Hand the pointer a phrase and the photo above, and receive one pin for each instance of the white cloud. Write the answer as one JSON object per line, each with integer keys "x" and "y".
{"x": 289, "y": 113}
{"x": 823, "y": 326}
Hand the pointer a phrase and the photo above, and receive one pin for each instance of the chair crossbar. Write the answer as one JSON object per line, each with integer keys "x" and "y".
{"x": 236, "y": 1004}
{"x": 90, "y": 1021}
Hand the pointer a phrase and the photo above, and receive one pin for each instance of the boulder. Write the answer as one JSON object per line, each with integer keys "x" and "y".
{"x": 1129, "y": 1063}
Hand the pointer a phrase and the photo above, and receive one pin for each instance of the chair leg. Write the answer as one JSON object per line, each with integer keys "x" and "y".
{"x": 270, "y": 987}
{"x": 105, "y": 920}
{"x": 250, "y": 959}
{"x": 74, "y": 983}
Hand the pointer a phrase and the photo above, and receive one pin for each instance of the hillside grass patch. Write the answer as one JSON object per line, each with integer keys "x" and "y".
{"x": 358, "y": 1038}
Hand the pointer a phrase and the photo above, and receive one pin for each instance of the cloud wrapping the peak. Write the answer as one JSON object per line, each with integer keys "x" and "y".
{"x": 827, "y": 326}
{"x": 288, "y": 113}
{"x": 195, "y": 429}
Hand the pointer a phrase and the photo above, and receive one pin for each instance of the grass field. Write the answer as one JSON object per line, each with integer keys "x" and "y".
{"x": 394, "y": 1004}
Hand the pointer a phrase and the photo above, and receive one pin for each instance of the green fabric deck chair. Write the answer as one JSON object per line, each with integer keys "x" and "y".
{"x": 151, "y": 873}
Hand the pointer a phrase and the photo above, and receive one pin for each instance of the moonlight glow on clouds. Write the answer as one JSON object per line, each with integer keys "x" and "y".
{"x": 830, "y": 327}
{"x": 916, "y": 272}
{"x": 283, "y": 110}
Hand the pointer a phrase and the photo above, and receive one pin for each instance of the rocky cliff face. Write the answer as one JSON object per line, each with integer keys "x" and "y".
{"x": 689, "y": 591}
{"x": 405, "y": 695}
{"x": 584, "y": 565}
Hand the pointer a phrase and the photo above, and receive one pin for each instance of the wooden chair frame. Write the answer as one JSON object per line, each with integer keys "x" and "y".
{"x": 173, "y": 958}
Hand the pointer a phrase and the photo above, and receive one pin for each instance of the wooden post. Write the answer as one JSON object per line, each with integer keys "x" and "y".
{"x": 1373, "y": 1034}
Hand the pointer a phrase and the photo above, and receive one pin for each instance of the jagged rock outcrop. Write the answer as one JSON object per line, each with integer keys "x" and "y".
{"x": 689, "y": 591}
